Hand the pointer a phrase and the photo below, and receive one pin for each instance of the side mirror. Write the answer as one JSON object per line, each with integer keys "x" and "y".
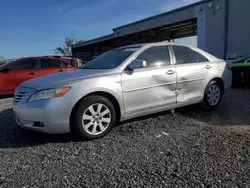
{"x": 137, "y": 64}
{"x": 5, "y": 70}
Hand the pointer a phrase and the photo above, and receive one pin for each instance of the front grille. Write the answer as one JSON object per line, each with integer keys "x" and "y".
{"x": 19, "y": 96}
{"x": 22, "y": 93}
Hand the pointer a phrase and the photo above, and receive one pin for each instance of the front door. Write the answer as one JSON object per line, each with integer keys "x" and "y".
{"x": 193, "y": 73}
{"x": 150, "y": 87}
{"x": 20, "y": 71}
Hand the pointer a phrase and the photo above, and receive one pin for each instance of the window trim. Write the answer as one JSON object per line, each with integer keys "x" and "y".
{"x": 174, "y": 57}
{"x": 201, "y": 55}
{"x": 152, "y": 68}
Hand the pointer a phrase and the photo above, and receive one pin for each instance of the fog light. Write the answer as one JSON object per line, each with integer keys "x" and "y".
{"x": 38, "y": 124}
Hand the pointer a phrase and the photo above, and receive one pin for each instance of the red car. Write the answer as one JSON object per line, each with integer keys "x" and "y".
{"x": 14, "y": 73}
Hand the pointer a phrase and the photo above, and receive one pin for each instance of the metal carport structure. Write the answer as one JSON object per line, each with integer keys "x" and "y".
{"x": 171, "y": 25}
{"x": 213, "y": 21}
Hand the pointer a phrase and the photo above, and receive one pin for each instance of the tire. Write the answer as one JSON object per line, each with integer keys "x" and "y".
{"x": 89, "y": 122}
{"x": 212, "y": 95}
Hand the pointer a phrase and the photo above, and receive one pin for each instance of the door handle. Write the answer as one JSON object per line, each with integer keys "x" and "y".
{"x": 169, "y": 72}
{"x": 32, "y": 73}
{"x": 208, "y": 66}
{"x": 61, "y": 70}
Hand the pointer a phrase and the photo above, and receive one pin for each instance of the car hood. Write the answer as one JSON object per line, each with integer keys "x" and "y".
{"x": 63, "y": 78}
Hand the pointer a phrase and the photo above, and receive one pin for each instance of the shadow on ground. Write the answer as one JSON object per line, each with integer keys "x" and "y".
{"x": 6, "y": 96}
{"x": 234, "y": 110}
{"x": 12, "y": 136}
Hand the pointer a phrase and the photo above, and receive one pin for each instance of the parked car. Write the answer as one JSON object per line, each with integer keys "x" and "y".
{"x": 241, "y": 71}
{"x": 121, "y": 84}
{"x": 241, "y": 62}
{"x": 14, "y": 73}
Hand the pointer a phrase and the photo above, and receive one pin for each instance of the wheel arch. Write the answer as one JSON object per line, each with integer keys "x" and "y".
{"x": 105, "y": 94}
{"x": 221, "y": 83}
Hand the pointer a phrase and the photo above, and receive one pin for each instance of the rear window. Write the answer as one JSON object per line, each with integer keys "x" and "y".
{"x": 50, "y": 63}
{"x": 64, "y": 64}
{"x": 201, "y": 58}
{"x": 184, "y": 55}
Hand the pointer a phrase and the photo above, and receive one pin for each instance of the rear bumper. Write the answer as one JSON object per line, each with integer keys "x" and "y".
{"x": 227, "y": 90}
{"x": 54, "y": 114}
{"x": 227, "y": 78}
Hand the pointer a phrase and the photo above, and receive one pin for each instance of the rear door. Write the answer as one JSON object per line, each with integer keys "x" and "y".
{"x": 65, "y": 66}
{"x": 48, "y": 66}
{"x": 193, "y": 72}
{"x": 20, "y": 71}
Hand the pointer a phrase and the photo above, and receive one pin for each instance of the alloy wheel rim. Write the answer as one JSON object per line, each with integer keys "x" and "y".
{"x": 213, "y": 95}
{"x": 96, "y": 119}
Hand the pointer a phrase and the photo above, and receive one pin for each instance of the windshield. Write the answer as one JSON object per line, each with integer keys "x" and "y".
{"x": 110, "y": 59}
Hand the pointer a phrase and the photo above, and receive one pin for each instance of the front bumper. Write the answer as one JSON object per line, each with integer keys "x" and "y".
{"x": 54, "y": 114}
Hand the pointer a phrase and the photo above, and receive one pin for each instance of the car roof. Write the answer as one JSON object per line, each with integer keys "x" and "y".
{"x": 52, "y": 57}
{"x": 206, "y": 54}
{"x": 155, "y": 43}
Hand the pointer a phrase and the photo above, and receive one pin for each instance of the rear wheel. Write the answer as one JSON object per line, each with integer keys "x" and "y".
{"x": 94, "y": 118}
{"x": 212, "y": 95}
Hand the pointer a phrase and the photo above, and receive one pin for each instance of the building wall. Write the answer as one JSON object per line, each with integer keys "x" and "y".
{"x": 215, "y": 36}
{"x": 82, "y": 55}
{"x": 239, "y": 27}
{"x": 211, "y": 27}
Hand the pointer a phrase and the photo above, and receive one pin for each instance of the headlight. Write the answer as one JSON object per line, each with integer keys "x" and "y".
{"x": 49, "y": 93}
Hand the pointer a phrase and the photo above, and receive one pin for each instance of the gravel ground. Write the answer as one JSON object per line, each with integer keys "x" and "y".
{"x": 190, "y": 148}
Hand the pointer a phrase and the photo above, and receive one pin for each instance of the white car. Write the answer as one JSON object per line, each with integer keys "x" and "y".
{"x": 121, "y": 84}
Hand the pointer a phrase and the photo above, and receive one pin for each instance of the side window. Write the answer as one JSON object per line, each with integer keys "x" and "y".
{"x": 157, "y": 56}
{"x": 50, "y": 63}
{"x": 64, "y": 65}
{"x": 184, "y": 55}
{"x": 23, "y": 65}
{"x": 38, "y": 64}
{"x": 201, "y": 58}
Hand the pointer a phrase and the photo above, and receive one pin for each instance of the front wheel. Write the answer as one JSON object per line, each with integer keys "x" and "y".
{"x": 212, "y": 95}
{"x": 94, "y": 118}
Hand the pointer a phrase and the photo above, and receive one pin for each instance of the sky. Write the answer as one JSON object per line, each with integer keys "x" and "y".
{"x": 33, "y": 27}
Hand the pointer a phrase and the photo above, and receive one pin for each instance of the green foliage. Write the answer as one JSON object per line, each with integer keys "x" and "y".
{"x": 65, "y": 50}
{"x": 2, "y": 61}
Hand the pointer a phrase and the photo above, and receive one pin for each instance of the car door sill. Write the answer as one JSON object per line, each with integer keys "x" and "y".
{"x": 157, "y": 110}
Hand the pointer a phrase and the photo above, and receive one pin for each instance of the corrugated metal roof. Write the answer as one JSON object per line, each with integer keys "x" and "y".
{"x": 165, "y": 13}
{"x": 99, "y": 39}
{"x": 111, "y": 36}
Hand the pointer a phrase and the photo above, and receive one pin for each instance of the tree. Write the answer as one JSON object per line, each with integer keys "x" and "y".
{"x": 66, "y": 49}
{"x": 2, "y": 60}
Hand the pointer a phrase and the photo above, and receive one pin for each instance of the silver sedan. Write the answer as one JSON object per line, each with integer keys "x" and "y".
{"x": 121, "y": 84}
